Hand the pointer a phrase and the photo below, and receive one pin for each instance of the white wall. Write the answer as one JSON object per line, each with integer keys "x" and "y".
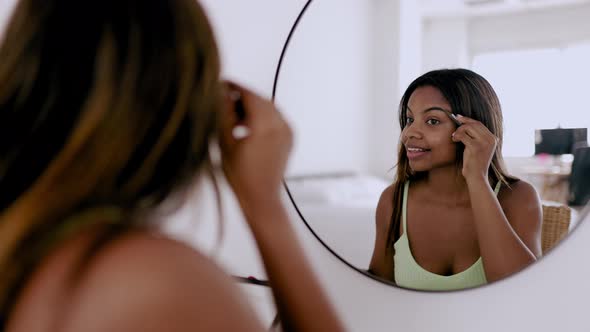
{"x": 445, "y": 44}
{"x": 554, "y": 27}
{"x": 242, "y": 28}
{"x": 326, "y": 63}
{"x": 385, "y": 86}
{"x": 410, "y": 42}
{"x": 453, "y": 41}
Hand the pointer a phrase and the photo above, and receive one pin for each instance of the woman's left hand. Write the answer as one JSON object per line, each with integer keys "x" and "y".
{"x": 480, "y": 145}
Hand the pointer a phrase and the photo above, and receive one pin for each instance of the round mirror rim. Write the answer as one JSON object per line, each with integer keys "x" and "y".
{"x": 580, "y": 216}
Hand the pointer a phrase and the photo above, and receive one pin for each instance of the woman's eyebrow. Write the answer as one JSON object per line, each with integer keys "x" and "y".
{"x": 433, "y": 108}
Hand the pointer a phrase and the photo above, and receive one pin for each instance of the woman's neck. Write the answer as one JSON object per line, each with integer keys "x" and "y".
{"x": 447, "y": 183}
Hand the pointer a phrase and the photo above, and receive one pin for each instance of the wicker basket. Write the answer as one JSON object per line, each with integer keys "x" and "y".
{"x": 556, "y": 222}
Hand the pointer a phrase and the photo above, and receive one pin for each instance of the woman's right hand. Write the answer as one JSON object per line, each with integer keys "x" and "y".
{"x": 254, "y": 165}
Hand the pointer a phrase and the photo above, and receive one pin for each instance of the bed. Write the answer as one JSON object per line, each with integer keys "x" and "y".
{"x": 340, "y": 209}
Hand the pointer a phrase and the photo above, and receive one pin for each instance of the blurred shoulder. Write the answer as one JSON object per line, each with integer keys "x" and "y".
{"x": 387, "y": 194}
{"x": 521, "y": 203}
{"x": 385, "y": 204}
{"x": 145, "y": 280}
{"x": 384, "y": 209}
{"x": 519, "y": 191}
{"x": 140, "y": 280}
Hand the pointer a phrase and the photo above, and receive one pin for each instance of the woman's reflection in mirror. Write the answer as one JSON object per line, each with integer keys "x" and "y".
{"x": 453, "y": 217}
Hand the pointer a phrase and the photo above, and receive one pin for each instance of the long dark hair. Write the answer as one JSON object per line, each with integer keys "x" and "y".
{"x": 469, "y": 94}
{"x": 107, "y": 103}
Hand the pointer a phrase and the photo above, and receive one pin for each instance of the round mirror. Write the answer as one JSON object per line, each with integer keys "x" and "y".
{"x": 385, "y": 171}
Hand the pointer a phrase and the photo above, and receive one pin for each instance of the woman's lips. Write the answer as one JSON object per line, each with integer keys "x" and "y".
{"x": 415, "y": 153}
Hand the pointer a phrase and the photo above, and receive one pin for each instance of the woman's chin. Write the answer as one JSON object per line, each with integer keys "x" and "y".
{"x": 417, "y": 167}
{"x": 424, "y": 166}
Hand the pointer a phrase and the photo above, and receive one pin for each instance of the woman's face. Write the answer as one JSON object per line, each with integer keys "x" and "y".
{"x": 427, "y": 132}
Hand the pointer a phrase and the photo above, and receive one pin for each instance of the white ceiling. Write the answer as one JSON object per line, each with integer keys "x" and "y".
{"x": 454, "y": 8}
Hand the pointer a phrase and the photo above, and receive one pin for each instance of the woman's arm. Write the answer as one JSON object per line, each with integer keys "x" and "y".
{"x": 382, "y": 260}
{"x": 300, "y": 299}
{"x": 254, "y": 166}
{"x": 509, "y": 238}
{"x": 505, "y": 246}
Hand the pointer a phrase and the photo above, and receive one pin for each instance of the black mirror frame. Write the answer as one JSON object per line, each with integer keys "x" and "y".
{"x": 274, "y": 90}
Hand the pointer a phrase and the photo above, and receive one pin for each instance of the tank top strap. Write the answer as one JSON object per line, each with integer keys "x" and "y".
{"x": 497, "y": 189}
{"x": 405, "y": 204}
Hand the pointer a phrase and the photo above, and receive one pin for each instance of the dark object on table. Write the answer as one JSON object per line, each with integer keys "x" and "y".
{"x": 579, "y": 183}
{"x": 559, "y": 141}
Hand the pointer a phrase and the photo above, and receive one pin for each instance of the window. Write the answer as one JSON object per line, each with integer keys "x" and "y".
{"x": 538, "y": 89}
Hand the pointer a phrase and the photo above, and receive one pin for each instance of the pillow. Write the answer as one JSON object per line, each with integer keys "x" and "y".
{"x": 349, "y": 190}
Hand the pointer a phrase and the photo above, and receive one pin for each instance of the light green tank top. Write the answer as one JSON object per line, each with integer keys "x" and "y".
{"x": 409, "y": 274}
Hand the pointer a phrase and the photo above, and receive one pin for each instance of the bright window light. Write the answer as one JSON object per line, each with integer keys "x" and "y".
{"x": 538, "y": 89}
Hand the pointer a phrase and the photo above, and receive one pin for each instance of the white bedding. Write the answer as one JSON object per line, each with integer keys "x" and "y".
{"x": 341, "y": 211}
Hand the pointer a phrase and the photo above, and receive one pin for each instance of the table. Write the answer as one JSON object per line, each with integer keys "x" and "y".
{"x": 555, "y": 181}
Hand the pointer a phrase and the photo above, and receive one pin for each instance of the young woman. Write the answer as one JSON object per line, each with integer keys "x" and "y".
{"x": 107, "y": 110}
{"x": 453, "y": 218}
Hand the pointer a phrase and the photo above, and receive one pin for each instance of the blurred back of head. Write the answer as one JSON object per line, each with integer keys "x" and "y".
{"x": 102, "y": 103}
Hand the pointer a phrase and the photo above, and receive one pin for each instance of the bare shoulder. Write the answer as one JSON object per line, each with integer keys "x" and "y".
{"x": 522, "y": 207}
{"x": 384, "y": 208}
{"x": 148, "y": 282}
{"x": 381, "y": 263}
{"x": 520, "y": 195}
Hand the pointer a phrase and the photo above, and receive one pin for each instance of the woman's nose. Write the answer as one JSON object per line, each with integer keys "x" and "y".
{"x": 412, "y": 131}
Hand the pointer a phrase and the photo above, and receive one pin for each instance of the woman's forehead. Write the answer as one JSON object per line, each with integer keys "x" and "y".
{"x": 426, "y": 97}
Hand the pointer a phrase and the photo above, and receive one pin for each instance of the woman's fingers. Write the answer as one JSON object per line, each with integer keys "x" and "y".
{"x": 465, "y": 131}
{"x": 256, "y": 110}
{"x": 254, "y": 164}
{"x": 463, "y": 137}
{"x": 465, "y": 119}
{"x": 228, "y": 117}
{"x": 474, "y": 127}
{"x": 475, "y": 130}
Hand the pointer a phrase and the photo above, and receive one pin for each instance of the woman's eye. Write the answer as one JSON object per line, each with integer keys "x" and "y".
{"x": 432, "y": 122}
{"x": 409, "y": 120}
